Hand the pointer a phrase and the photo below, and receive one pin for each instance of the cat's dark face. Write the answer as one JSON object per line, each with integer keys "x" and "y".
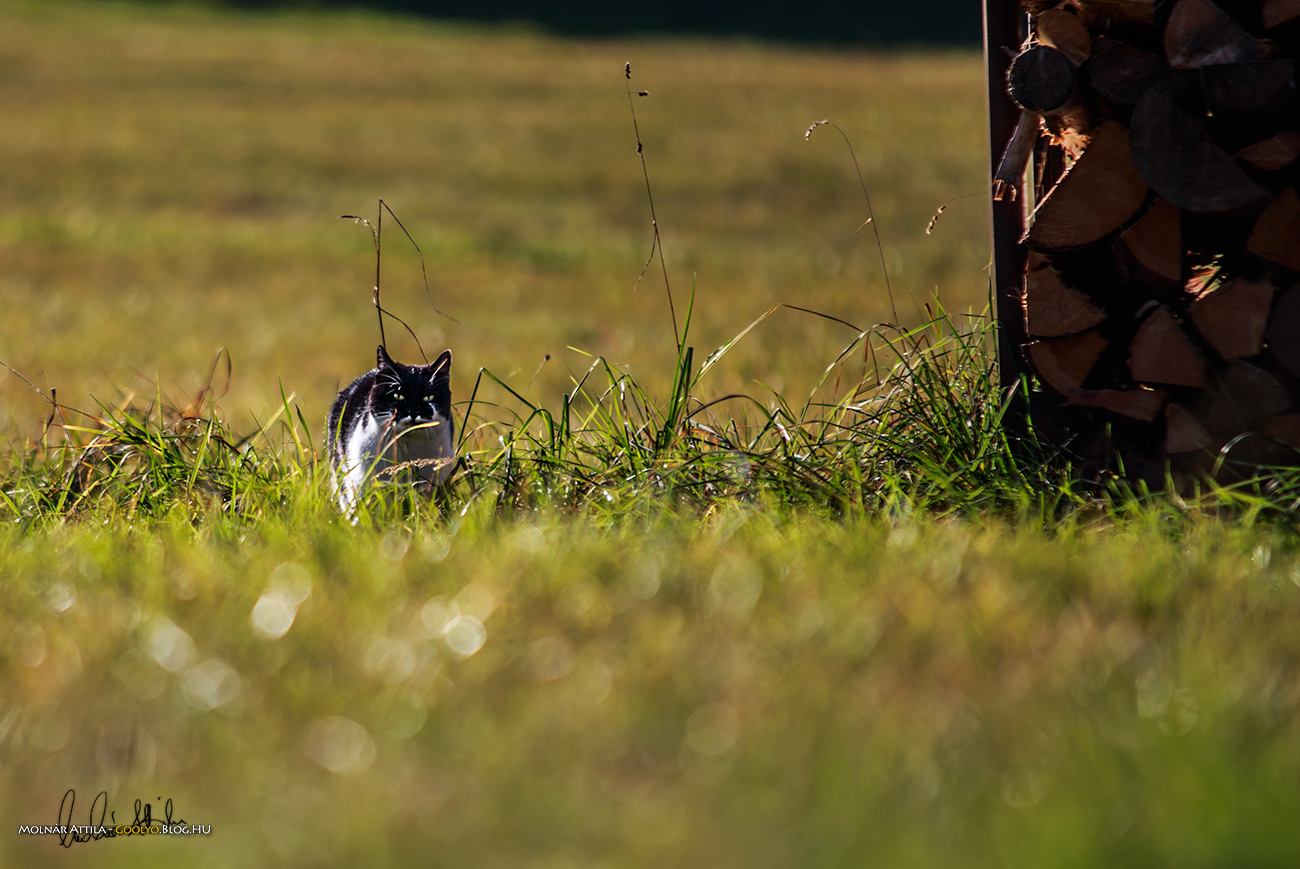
{"x": 418, "y": 393}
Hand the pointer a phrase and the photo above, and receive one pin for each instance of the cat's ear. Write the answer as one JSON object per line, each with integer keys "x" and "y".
{"x": 382, "y": 358}
{"x": 442, "y": 365}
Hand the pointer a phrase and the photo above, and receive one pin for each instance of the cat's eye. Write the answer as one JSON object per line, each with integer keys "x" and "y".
{"x": 397, "y": 396}
{"x": 429, "y": 399}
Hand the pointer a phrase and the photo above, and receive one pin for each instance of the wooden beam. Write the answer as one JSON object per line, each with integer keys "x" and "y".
{"x": 1003, "y": 32}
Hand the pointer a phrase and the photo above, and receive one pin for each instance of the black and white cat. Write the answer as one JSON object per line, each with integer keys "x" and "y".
{"x": 392, "y": 423}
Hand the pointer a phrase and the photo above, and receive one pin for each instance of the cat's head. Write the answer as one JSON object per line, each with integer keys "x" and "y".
{"x": 419, "y": 393}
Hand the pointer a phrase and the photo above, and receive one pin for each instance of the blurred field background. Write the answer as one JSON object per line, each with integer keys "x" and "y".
{"x": 174, "y": 176}
{"x": 939, "y": 658}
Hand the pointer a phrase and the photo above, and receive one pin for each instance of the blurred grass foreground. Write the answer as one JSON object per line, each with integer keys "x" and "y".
{"x": 793, "y": 600}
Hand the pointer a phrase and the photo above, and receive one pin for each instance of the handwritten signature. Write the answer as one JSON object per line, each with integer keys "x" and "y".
{"x": 94, "y": 831}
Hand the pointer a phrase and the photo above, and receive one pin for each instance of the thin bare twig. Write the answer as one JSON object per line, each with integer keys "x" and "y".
{"x": 871, "y": 214}
{"x": 657, "y": 243}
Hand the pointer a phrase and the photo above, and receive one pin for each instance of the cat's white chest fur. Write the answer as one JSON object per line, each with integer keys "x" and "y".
{"x": 392, "y": 426}
{"x": 393, "y": 452}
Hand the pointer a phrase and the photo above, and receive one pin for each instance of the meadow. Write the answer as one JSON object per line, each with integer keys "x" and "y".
{"x": 839, "y": 620}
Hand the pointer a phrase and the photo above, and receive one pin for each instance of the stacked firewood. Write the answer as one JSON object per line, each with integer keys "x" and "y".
{"x": 1162, "y": 279}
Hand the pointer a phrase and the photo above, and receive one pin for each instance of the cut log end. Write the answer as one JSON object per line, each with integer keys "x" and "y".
{"x": 1063, "y": 365}
{"x": 1094, "y": 199}
{"x": 1041, "y": 79}
{"x": 1199, "y": 34}
{"x": 1276, "y": 236}
{"x": 1143, "y": 405}
{"x": 1064, "y": 31}
{"x": 1054, "y": 309}
{"x": 1162, "y": 353}
{"x": 1233, "y": 318}
{"x": 1278, "y": 12}
{"x": 1155, "y": 242}
{"x": 1274, "y": 153}
{"x": 1176, "y": 155}
{"x": 1121, "y": 72}
{"x": 1284, "y": 331}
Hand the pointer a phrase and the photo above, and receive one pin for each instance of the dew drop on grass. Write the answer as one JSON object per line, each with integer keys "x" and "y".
{"x": 475, "y": 600}
{"x": 436, "y": 614}
{"x": 464, "y": 636}
{"x": 170, "y": 646}
{"x": 643, "y": 577}
{"x": 183, "y": 585}
{"x": 210, "y": 685}
{"x": 276, "y": 609}
{"x": 389, "y": 659}
{"x": 273, "y": 615}
{"x": 61, "y": 597}
{"x": 434, "y": 547}
{"x": 529, "y": 539}
{"x": 394, "y": 545}
{"x": 294, "y": 579}
{"x": 31, "y": 644}
{"x": 340, "y": 745}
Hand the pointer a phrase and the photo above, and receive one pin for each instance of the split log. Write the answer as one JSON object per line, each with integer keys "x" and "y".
{"x": 1280, "y": 12}
{"x": 1064, "y": 31}
{"x": 1276, "y": 236}
{"x": 1248, "y": 87}
{"x": 1139, "y": 404}
{"x": 1041, "y": 79}
{"x": 1284, "y": 331}
{"x": 1162, "y": 353}
{"x": 1199, "y": 34}
{"x": 1241, "y": 395}
{"x": 1183, "y": 434}
{"x": 1274, "y": 153}
{"x": 1155, "y": 242}
{"x": 1011, "y": 168}
{"x": 1233, "y": 318}
{"x": 1097, "y": 196}
{"x": 1063, "y": 365}
{"x": 1121, "y": 73}
{"x": 1176, "y": 155}
{"x": 1106, "y": 11}
{"x": 1054, "y": 309}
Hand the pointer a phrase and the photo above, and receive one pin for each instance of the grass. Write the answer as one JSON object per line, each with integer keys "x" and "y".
{"x": 673, "y": 612}
{"x": 168, "y": 155}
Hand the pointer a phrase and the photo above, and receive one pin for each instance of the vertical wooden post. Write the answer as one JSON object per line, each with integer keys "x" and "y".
{"x": 1003, "y": 21}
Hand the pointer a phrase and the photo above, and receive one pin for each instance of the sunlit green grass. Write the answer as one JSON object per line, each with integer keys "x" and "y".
{"x": 742, "y": 690}
{"x": 837, "y": 619}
